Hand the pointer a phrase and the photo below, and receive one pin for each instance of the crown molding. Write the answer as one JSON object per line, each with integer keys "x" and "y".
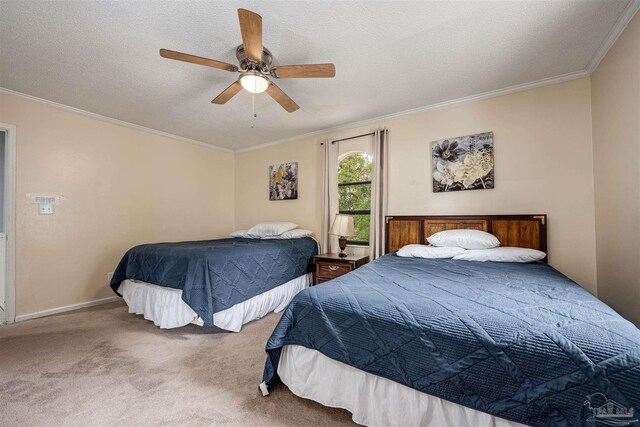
{"x": 438, "y": 106}
{"x": 616, "y": 31}
{"x": 111, "y": 120}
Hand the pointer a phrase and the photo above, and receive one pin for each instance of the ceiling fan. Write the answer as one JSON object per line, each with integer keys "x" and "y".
{"x": 255, "y": 65}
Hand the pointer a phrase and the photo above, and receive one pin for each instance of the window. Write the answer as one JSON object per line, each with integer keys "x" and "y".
{"x": 354, "y": 193}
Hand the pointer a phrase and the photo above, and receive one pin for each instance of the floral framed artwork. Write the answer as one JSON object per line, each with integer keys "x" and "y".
{"x": 462, "y": 163}
{"x": 283, "y": 181}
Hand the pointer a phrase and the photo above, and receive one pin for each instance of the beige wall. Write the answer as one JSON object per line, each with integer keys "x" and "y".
{"x": 122, "y": 186}
{"x": 616, "y": 145}
{"x": 543, "y": 164}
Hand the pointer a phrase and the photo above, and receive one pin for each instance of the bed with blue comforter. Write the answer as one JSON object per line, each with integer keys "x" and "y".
{"x": 518, "y": 341}
{"x": 215, "y": 275}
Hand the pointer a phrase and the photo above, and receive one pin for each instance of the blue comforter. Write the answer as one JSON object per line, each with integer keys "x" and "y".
{"x": 519, "y": 341}
{"x": 217, "y": 274}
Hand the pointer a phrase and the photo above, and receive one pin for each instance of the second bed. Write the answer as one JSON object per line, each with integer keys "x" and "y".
{"x": 224, "y": 283}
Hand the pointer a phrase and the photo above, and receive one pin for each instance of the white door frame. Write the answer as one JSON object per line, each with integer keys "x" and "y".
{"x": 9, "y": 220}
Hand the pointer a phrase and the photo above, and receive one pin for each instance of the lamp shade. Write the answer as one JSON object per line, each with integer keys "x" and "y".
{"x": 342, "y": 226}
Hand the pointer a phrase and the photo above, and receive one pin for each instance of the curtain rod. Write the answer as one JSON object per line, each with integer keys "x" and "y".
{"x": 351, "y": 137}
{"x": 357, "y": 136}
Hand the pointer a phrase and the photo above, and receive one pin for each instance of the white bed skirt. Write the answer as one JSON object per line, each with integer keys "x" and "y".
{"x": 166, "y": 309}
{"x": 373, "y": 400}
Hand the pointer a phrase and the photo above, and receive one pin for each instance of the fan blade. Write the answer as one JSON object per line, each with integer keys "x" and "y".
{"x": 179, "y": 56}
{"x": 305, "y": 71}
{"x": 228, "y": 93}
{"x": 282, "y": 98}
{"x": 251, "y": 29}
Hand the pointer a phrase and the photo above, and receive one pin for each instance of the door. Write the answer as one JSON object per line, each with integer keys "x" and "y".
{"x": 3, "y": 235}
{"x": 7, "y": 223}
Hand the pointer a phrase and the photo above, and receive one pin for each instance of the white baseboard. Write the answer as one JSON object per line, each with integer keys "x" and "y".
{"x": 66, "y": 308}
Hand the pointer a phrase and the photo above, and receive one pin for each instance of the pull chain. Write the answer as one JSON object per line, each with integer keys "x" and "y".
{"x": 253, "y": 110}
{"x": 253, "y": 105}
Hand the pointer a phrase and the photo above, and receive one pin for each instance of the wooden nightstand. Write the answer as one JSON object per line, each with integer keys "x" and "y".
{"x": 330, "y": 266}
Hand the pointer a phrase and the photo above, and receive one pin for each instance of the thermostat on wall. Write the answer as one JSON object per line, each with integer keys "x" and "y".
{"x": 45, "y": 202}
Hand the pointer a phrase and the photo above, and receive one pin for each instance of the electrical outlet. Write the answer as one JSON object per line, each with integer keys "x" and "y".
{"x": 46, "y": 209}
{"x": 109, "y": 276}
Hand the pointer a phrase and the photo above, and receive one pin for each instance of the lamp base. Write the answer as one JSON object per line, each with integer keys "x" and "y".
{"x": 342, "y": 242}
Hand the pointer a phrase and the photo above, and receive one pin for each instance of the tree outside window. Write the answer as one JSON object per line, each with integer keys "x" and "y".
{"x": 354, "y": 193}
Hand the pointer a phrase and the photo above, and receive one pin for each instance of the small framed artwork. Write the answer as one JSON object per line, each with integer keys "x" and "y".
{"x": 462, "y": 163}
{"x": 283, "y": 181}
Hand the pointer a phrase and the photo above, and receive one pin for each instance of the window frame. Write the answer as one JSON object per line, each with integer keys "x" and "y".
{"x": 355, "y": 212}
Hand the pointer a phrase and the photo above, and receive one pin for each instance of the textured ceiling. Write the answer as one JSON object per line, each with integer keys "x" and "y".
{"x": 390, "y": 56}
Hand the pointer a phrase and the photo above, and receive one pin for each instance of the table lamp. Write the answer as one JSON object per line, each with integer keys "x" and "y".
{"x": 342, "y": 227}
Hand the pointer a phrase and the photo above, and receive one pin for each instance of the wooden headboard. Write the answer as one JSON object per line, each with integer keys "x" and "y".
{"x": 525, "y": 231}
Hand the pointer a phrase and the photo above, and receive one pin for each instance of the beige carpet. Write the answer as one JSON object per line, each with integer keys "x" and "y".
{"x": 103, "y": 366}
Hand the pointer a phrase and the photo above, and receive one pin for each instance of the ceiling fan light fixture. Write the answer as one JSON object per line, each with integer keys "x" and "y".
{"x": 255, "y": 65}
{"x": 254, "y": 82}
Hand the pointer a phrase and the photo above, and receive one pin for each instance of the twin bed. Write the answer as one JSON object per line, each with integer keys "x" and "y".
{"x": 410, "y": 341}
{"x": 224, "y": 283}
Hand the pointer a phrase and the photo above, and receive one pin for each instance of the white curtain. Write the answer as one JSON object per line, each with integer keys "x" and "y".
{"x": 378, "y": 194}
{"x": 329, "y": 195}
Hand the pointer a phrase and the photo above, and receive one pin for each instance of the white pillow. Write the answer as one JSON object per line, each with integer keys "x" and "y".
{"x": 503, "y": 254}
{"x": 244, "y": 234}
{"x": 298, "y": 233}
{"x": 468, "y": 239}
{"x": 424, "y": 251}
{"x": 274, "y": 228}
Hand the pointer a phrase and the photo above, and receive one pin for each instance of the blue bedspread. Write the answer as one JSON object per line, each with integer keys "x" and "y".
{"x": 217, "y": 274}
{"x": 519, "y": 341}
